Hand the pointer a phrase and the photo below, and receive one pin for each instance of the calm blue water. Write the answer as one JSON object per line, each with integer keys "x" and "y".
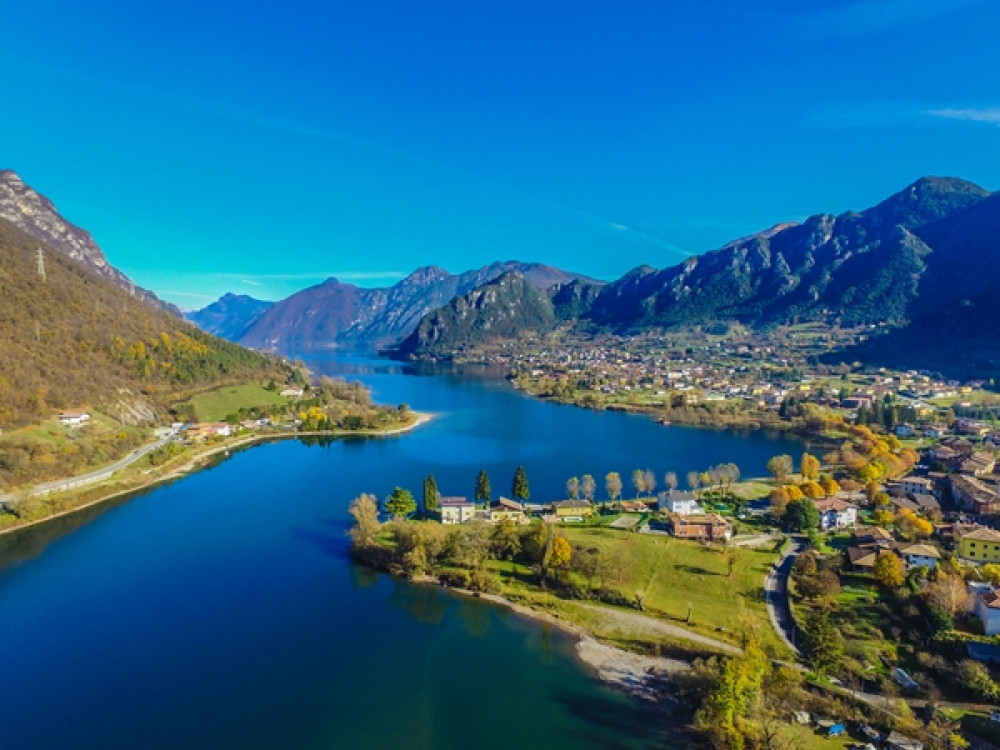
{"x": 221, "y": 611}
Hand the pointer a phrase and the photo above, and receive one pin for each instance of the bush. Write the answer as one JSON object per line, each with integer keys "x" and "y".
{"x": 939, "y": 619}
{"x": 458, "y": 579}
{"x": 484, "y": 581}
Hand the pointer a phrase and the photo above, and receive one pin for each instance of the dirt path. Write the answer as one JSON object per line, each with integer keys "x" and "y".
{"x": 634, "y": 622}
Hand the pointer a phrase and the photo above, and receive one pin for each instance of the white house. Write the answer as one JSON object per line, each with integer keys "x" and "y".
{"x": 905, "y": 430}
{"x": 916, "y": 555}
{"x": 835, "y": 513}
{"x": 456, "y": 510}
{"x": 74, "y": 418}
{"x": 679, "y": 503}
{"x": 292, "y": 393}
{"x": 987, "y": 608}
{"x": 912, "y": 485}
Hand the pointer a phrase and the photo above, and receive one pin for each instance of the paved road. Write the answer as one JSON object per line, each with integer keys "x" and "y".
{"x": 94, "y": 476}
{"x": 776, "y": 593}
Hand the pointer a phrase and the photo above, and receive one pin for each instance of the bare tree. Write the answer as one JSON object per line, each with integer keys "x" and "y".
{"x": 649, "y": 481}
{"x": 364, "y": 509}
{"x": 573, "y": 488}
{"x": 949, "y": 593}
{"x": 670, "y": 480}
{"x": 588, "y": 487}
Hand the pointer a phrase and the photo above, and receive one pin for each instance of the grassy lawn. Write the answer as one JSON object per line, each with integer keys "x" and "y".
{"x": 752, "y": 489}
{"x": 673, "y": 574}
{"x": 978, "y": 398}
{"x": 216, "y": 405}
{"x": 807, "y": 738}
{"x": 53, "y": 432}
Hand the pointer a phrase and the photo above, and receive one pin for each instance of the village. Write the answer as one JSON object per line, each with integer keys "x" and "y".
{"x": 765, "y": 377}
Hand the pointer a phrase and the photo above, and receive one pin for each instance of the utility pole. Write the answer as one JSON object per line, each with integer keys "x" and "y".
{"x": 41, "y": 264}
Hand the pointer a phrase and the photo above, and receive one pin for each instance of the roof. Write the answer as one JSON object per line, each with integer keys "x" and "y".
{"x": 677, "y": 496}
{"x": 699, "y": 519}
{"x": 453, "y": 502}
{"x": 983, "y": 534}
{"x": 572, "y": 504}
{"x": 875, "y": 533}
{"x": 990, "y": 599}
{"x": 905, "y": 503}
{"x": 916, "y": 480}
{"x": 509, "y": 504}
{"x": 921, "y": 550}
{"x": 832, "y": 503}
{"x": 864, "y": 557}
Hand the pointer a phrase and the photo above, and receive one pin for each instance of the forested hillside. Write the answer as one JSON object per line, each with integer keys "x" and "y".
{"x": 73, "y": 339}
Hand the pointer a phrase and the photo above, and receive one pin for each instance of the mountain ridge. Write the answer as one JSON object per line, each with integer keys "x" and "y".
{"x": 336, "y": 315}
{"x": 34, "y": 214}
{"x": 921, "y": 260}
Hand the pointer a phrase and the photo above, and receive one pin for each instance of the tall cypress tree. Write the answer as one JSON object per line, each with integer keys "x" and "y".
{"x": 430, "y": 494}
{"x": 519, "y": 489}
{"x": 483, "y": 487}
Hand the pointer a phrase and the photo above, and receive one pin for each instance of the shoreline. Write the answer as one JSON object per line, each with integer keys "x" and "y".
{"x": 194, "y": 463}
{"x": 638, "y": 675}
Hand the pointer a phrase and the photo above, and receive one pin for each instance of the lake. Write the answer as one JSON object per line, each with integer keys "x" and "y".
{"x": 222, "y": 610}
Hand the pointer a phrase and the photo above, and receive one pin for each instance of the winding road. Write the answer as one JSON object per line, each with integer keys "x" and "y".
{"x": 91, "y": 477}
{"x": 776, "y": 593}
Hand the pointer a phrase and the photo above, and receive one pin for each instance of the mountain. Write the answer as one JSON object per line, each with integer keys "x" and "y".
{"x": 230, "y": 316}
{"x": 856, "y": 268}
{"x": 338, "y": 315}
{"x": 34, "y": 214}
{"x": 922, "y": 265}
{"x": 73, "y": 338}
{"x": 501, "y": 308}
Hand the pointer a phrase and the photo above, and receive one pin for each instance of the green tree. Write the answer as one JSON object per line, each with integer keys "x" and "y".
{"x": 400, "y": 503}
{"x": 483, "y": 487}
{"x": 430, "y": 494}
{"x": 506, "y": 540}
{"x": 730, "y": 712}
{"x": 613, "y": 484}
{"x": 364, "y": 509}
{"x": 519, "y": 488}
{"x": 780, "y": 466}
{"x": 889, "y": 570}
{"x": 800, "y": 515}
{"x": 822, "y": 641}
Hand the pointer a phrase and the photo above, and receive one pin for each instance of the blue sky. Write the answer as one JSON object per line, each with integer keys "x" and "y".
{"x": 259, "y": 147}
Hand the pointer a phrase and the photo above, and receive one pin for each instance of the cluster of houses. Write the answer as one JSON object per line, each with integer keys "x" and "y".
{"x": 687, "y": 518}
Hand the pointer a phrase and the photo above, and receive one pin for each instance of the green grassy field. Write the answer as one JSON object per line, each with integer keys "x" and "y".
{"x": 216, "y": 405}
{"x": 675, "y": 574}
{"x": 979, "y": 398}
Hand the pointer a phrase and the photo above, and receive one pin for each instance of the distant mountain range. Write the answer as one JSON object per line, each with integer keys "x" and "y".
{"x": 32, "y": 213}
{"x": 925, "y": 262}
{"x": 335, "y": 315}
{"x": 230, "y": 316}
